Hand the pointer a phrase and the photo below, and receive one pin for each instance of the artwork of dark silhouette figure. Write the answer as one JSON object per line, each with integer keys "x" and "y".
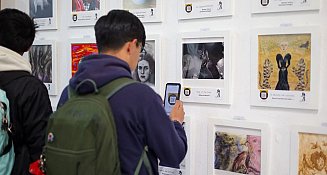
{"x": 204, "y": 71}
{"x": 305, "y": 45}
{"x": 283, "y": 64}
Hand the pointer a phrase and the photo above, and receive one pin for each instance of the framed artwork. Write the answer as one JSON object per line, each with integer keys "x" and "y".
{"x": 309, "y": 150}
{"x": 148, "y": 66}
{"x": 237, "y": 147}
{"x": 80, "y": 48}
{"x": 145, "y": 10}
{"x": 285, "y": 67}
{"x": 86, "y": 12}
{"x": 43, "y": 58}
{"x": 185, "y": 168}
{"x": 204, "y": 64}
{"x": 188, "y": 9}
{"x": 267, "y": 6}
{"x": 44, "y": 13}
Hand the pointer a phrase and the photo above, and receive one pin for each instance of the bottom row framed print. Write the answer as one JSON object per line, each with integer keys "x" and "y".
{"x": 237, "y": 147}
{"x": 185, "y": 166}
{"x": 309, "y": 150}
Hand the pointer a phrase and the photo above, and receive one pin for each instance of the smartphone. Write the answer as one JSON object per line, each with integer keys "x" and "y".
{"x": 172, "y": 93}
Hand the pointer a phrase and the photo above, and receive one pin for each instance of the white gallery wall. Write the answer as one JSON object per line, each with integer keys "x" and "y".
{"x": 240, "y": 25}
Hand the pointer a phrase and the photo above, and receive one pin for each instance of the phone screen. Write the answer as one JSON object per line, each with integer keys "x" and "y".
{"x": 172, "y": 93}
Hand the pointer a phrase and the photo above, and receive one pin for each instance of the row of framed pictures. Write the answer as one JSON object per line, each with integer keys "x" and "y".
{"x": 87, "y": 12}
{"x": 284, "y": 65}
{"x": 243, "y": 147}
{"x": 43, "y": 58}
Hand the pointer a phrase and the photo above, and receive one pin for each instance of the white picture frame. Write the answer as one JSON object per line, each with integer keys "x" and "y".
{"x": 186, "y": 165}
{"x": 44, "y": 13}
{"x": 83, "y": 14}
{"x": 79, "y": 45}
{"x": 45, "y": 66}
{"x": 269, "y": 6}
{"x": 152, "y": 58}
{"x": 296, "y": 83}
{"x": 216, "y": 47}
{"x": 308, "y": 146}
{"x": 229, "y": 128}
{"x": 146, "y": 10}
{"x": 189, "y": 9}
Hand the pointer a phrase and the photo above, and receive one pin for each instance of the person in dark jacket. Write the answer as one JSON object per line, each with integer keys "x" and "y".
{"x": 29, "y": 102}
{"x": 138, "y": 111}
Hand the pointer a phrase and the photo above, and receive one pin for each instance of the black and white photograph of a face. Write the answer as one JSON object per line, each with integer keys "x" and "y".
{"x": 41, "y": 61}
{"x": 145, "y": 69}
{"x": 203, "y": 60}
{"x": 139, "y": 4}
{"x": 41, "y": 8}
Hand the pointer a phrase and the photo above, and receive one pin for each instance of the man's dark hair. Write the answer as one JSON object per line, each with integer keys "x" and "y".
{"x": 116, "y": 28}
{"x": 17, "y": 30}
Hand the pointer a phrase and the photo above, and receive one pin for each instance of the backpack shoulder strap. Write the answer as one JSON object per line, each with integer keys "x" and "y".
{"x": 111, "y": 88}
{"x": 144, "y": 159}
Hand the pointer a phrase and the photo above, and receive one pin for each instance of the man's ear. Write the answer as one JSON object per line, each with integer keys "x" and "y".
{"x": 135, "y": 42}
{"x": 128, "y": 47}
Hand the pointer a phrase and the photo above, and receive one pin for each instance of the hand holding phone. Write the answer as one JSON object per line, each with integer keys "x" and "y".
{"x": 177, "y": 113}
{"x": 172, "y": 93}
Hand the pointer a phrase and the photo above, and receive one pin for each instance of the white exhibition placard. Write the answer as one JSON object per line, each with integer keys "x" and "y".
{"x": 44, "y": 13}
{"x": 86, "y": 13}
{"x": 188, "y": 9}
{"x": 308, "y": 150}
{"x": 237, "y": 147}
{"x": 285, "y": 67}
{"x": 145, "y": 10}
{"x": 204, "y": 64}
{"x": 267, "y": 6}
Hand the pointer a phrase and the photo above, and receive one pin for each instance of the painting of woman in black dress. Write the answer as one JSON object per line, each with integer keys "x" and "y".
{"x": 283, "y": 62}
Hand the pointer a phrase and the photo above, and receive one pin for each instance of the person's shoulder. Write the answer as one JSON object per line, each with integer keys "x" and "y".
{"x": 31, "y": 83}
{"x": 141, "y": 88}
{"x": 139, "y": 92}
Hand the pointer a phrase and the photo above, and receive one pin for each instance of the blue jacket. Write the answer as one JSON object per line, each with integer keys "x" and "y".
{"x": 139, "y": 116}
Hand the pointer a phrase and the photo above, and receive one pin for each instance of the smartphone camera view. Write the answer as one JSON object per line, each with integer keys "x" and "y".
{"x": 172, "y": 94}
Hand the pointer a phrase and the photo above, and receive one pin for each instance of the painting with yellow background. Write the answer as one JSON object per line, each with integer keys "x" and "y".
{"x": 312, "y": 154}
{"x": 284, "y": 62}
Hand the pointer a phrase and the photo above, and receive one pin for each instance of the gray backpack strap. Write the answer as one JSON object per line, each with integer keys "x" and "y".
{"x": 144, "y": 159}
{"x": 111, "y": 88}
{"x": 73, "y": 92}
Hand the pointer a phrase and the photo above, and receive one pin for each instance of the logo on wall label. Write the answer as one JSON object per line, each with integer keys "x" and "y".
{"x": 74, "y": 17}
{"x": 264, "y": 2}
{"x": 188, "y": 8}
{"x": 187, "y": 91}
{"x": 263, "y": 94}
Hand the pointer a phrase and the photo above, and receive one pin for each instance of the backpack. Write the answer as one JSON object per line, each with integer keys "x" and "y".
{"x": 81, "y": 134}
{"x": 7, "y": 155}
